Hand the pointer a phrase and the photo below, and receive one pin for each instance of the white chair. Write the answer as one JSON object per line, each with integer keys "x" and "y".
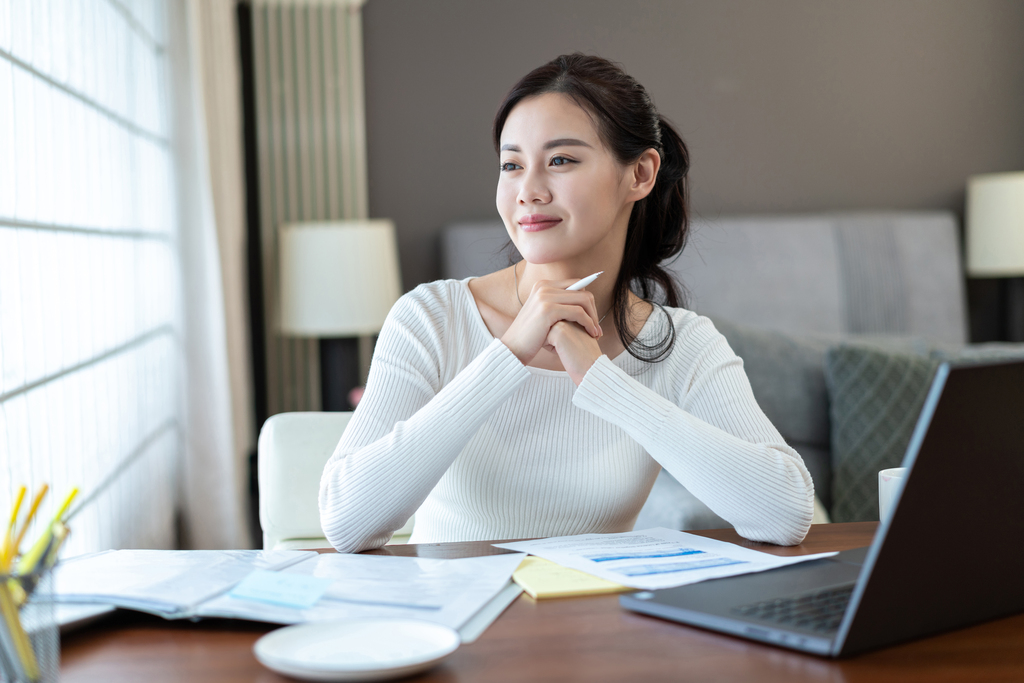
{"x": 293, "y": 449}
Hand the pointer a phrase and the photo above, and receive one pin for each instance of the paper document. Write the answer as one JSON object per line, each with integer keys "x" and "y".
{"x": 446, "y": 592}
{"x": 292, "y": 586}
{"x": 654, "y": 558}
{"x": 171, "y": 583}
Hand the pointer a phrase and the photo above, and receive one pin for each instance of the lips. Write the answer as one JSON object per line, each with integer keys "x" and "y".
{"x": 537, "y": 221}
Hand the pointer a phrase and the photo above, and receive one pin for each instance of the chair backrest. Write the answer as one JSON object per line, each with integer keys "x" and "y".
{"x": 293, "y": 449}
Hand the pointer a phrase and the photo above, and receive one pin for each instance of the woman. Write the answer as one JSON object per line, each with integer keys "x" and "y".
{"x": 508, "y": 407}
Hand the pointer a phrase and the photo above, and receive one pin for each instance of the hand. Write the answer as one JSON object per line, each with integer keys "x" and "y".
{"x": 575, "y": 348}
{"x": 548, "y": 304}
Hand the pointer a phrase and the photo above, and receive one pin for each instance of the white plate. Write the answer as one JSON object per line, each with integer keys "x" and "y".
{"x": 356, "y": 649}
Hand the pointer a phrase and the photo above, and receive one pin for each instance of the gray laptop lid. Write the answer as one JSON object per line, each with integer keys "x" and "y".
{"x": 951, "y": 555}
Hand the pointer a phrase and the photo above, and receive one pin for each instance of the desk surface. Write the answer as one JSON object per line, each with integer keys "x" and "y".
{"x": 569, "y": 639}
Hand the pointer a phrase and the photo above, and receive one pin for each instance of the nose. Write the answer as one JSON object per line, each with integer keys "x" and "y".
{"x": 534, "y": 189}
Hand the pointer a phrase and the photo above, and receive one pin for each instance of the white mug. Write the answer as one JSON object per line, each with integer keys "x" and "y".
{"x": 890, "y": 483}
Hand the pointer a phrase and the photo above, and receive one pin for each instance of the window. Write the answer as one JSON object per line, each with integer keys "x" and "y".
{"x": 90, "y": 319}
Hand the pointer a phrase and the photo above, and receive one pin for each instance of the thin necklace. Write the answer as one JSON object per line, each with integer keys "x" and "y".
{"x": 515, "y": 273}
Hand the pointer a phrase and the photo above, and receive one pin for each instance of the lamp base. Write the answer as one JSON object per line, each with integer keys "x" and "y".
{"x": 339, "y": 372}
{"x": 1014, "y": 297}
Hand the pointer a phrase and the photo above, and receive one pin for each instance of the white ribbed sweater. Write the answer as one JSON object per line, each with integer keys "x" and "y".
{"x": 454, "y": 428}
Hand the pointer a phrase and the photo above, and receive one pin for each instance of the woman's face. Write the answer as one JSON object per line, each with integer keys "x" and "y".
{"x": 561, "y": 193}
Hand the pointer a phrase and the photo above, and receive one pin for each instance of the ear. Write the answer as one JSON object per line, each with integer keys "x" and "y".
{"x": 642, "y": 173}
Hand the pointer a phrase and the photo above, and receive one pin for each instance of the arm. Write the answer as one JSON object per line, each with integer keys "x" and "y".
{"x": 713, "y": 438}
{"x": 408, "y": 429}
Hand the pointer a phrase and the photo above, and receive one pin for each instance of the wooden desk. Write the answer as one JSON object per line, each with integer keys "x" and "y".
{"x": 572, "y": 639}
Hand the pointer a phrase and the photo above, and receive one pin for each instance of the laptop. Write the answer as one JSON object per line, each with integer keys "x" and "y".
{"x": 951, "y": 553}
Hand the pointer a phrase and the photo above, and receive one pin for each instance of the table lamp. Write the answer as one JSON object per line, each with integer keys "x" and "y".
{"x": 338, "y": 280}
{"x": 995, "y": 240}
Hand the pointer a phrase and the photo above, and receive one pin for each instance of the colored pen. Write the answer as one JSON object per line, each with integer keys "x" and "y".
{"x": 30, "y": 559}
{"x": 31, "y": 513}
{"x": 577, "y": 286}
{"x": 7, "y": 552}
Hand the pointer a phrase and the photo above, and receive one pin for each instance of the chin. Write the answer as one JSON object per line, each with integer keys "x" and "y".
{"x": 541, "y": 256}
{"x": 539, "y": 248}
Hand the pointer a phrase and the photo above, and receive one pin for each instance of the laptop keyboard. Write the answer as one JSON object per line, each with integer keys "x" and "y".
{"x": 818, "y": 611}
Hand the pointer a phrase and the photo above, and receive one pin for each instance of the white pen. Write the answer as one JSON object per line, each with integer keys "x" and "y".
{"x": 577, "y": 286}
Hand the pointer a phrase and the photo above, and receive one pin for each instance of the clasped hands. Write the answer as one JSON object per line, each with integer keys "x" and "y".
{"x": 557, "y": 320}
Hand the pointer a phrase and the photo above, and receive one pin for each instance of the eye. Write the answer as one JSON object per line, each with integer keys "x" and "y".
{"x": 561, "y": 161}
{"x": 509, "y": 166}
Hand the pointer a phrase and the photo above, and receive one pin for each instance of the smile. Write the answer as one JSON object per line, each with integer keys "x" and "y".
{"x": 537, "y": 222}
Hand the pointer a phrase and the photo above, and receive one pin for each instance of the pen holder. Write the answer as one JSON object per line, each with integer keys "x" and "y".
{"x": 29, "y": 638}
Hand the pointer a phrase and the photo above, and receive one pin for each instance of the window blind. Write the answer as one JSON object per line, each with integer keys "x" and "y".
{"x": 90, "y": 359}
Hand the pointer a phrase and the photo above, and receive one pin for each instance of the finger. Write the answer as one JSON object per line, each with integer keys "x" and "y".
{"x": 566, "y": 335}
{"x": 573, "y": 309}
{"x": 551, "y": 286}
{"x": 582, "y": 298}
{"x": 576, "y": 314}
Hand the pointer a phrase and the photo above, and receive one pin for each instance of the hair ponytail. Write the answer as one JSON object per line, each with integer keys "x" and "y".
{"x": 629, "y": 125}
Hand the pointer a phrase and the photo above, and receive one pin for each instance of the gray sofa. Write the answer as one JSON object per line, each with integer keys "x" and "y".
{"x": 783, "y": 290}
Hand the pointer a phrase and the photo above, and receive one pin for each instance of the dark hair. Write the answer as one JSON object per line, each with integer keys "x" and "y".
{"x": 629, "y": 125}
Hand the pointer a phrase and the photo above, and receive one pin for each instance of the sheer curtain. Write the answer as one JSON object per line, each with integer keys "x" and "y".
{"x": 114, "y": 331}
{"x": 219, "y": 408}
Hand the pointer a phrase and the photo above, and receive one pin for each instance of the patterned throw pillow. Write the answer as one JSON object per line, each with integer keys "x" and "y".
{"x": 876, "y": 398}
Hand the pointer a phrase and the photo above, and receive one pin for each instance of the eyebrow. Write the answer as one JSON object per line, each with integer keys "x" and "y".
{"x": 551, "y": 144}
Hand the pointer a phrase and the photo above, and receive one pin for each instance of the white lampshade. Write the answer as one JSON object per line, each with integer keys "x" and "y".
{"x": 338, "y": 278}
{"x": 995, "y": 225}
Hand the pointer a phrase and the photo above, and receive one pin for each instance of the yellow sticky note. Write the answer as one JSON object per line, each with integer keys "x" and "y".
{"x": 544, "y": 579}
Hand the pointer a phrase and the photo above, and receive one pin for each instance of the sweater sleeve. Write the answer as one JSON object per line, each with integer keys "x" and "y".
{"x": 408, "y": 429}
{"x": 714, "y": 439}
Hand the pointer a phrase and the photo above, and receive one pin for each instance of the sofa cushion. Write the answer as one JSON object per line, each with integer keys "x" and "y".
{"x": 787, "y": 376}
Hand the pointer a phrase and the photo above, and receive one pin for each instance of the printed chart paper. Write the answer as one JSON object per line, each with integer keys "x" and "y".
{"x": 654, "y": 558}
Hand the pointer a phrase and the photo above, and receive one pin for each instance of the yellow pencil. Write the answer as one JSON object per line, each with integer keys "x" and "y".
{"x": 30, "y": 559}
{"x": 65, "y": 505}
{"x": 7, "y": 553}
{"x": 28, "y": 520}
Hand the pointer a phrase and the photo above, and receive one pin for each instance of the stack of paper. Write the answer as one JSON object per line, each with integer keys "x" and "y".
{"x": 446, "y": 592}
{"x": 170, "y": 583}
{"x": 289, "y": 587}
{"x": 654, "y": 558}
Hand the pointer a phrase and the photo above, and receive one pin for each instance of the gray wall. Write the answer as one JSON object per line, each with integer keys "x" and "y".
{"x": 786, "y": 105}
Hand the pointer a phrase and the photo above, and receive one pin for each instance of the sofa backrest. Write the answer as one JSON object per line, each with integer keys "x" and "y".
{"x": 896, "y": 273}
{"x": 836, "y": 273}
